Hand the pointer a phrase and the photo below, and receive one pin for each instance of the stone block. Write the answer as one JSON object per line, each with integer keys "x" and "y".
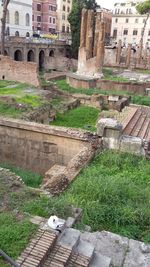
{"x": 100, "y": 261}
{"x": 69, "y": 238}
{"x": 132, "y": 145}
{"x": 147, "y": 91}
{"x": 110, "y": 127}
{"x": 85, "y": 248}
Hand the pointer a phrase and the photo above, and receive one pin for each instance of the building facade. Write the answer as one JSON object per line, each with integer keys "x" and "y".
{"x": 63, "y": 10}
{"x": 19, "y": 18}
{"x": 44, "y": 16}
{"x": 127, "y": 24}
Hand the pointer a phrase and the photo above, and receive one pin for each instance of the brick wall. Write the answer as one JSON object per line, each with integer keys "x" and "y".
{"x": 19, "y": 71}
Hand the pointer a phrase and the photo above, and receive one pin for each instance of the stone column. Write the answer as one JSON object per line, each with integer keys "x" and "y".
{"x": 83, "y": 28}
{"x": 128, "y": 57}
{"x": 100, "y": 47}
{"x": 97, "y": 29}
{"x": 90, "y": 34}
{"x": 119, "y": 49}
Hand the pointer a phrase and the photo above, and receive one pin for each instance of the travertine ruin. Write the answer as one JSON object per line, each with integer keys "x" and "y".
{"x": 91, "y": 51}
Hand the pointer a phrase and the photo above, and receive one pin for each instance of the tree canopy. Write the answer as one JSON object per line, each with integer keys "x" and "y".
{"x": 143, "y": 7}
{"x": 75, "y": 21}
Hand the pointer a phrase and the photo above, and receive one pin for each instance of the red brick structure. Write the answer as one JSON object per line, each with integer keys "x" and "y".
{"x": 44, "y": 16}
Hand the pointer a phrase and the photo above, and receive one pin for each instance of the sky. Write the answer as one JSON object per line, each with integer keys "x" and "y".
{"x": 108, "y": 3}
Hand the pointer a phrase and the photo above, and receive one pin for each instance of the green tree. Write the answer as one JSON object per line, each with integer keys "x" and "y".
{"x": 143, "y": 8}
{"x": 75, "y": 21}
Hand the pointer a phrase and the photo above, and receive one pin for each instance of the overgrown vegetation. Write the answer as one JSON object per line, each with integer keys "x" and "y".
{"x": 109, "y": 75}
{"x": 81, "y": 117}
{"x": 114, "y": 193}
{"x": 29, "y": 178}
{"x": 136, "y": 99}
{"x": 14, "y": 235}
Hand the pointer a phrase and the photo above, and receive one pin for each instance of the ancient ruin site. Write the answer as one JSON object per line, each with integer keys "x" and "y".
{"x": 74, "y": 152}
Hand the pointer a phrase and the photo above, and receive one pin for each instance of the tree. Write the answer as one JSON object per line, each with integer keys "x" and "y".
{"x": 143, "y": 8}
{"x": 75, "y": 21}
{"x": 3, "y": 26}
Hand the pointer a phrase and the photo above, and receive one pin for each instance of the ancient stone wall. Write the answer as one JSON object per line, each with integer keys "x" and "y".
{"x": 38, "y": 147}
{"x": 25, "y": 72}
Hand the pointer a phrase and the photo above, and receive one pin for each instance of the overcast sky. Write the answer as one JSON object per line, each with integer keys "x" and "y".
{"x": 108, "y": 3}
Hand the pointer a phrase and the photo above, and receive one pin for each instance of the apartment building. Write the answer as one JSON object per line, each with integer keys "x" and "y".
{"x": 19, "y": 18}
{"x": 127, "y": 24}
{"x": 63, "y": 9}
{"x": 44, "y": 16}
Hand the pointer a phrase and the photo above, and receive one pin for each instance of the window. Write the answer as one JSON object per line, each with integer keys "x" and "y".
{"x": 63, "y": 16}
{"x": 64, "y": 8}
{"x": 38, "y": 7}
{"x": 136, "y": 20}
{"x": 52, "y": 8}
{"x": 38, "y": 18}
{"x": 63, "y": 28}
{"x": 125, "y": 32}
{"x": 135, "y": 32}
{"x": 68, "y": 9}
{"x": 16, "y": 18}
{"x": 116, "y": 20}
{"x": 27, "y": 19}
{"x": 7, "y": 17}
{"x": 149, "y": 32}
{"x": 32, "y": 17}
{"x": 54, "y": 20}
{"x": 50, "y": 20}
{"x": 68, "y": 29}
{"x": 127, "y": 20}
{"x": 115, "y": 33}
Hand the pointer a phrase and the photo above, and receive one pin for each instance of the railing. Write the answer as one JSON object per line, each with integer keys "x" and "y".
{"x": 7, "y": 258}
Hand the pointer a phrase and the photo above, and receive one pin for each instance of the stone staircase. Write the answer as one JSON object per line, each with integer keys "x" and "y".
{"x": 48, "y": 249}
{"x": 138, "y": 124}
{"x": 73, "y": 248}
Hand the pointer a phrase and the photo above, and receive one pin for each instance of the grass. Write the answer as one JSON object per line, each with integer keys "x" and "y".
{"x": 81, "y": 117}
{"x": 30, "y": 100}
{"x": 135, "y": 99}
{"x": 28, "y": 177}
{"x": 14, "y": 235}
{"x": 108, "y": 75}
{"x": 7, "y": 110}
{"x": 114, "y": 193}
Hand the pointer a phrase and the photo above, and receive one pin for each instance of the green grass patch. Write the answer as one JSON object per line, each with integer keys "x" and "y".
{"x": 7, "y": 110}
{"x": 108, "y": 75}
{"x": 30, "y": 178}
{"x": 114, "y": 193}
{"x": 81, "y": 117}
{"x": 18, "y": 89}
{"x": 135, "y": 99}
{"x": 14, "y": 235}
{"x": 4, "y": 83}
{"x": 31, "y": 100}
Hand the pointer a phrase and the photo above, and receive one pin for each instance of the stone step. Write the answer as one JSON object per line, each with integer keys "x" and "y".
{"x": 130, "y": 112}
{"x": 69, "y": 238}
{"x": 37, "y": 250}
{"x": 144, "y": 128}
{"x": 147, "y": 134}
{"x": 100, "y": 261}
{"x": 77, "y": 260}
{"x": 85, "y": 248}
{"x": 138, "y": 125}
{"x": 130, "y": 126}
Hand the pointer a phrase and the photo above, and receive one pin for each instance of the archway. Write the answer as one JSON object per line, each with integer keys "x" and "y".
{"x": 51, "y": 53}
{"x": 30, "y": 56}
{"x": 5, "y": 53}
{"x": 18, "y": 55}
{"x": 41, "y": 60}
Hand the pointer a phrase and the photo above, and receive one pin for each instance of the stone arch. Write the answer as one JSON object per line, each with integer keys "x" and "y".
{"x": 17, "y": 33}
{"x": 30, "y": 56}
{"x": 51, "y": 53}
{"x": 18, "y": 55}
{"x": 41, "y": 59}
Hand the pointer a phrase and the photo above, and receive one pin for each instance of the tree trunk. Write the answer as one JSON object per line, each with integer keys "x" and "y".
{"x": 143, "y": 30}
{"x": 3, "y": 21}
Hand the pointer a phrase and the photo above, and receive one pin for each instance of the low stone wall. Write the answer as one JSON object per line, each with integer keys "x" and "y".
{"x": 20, "y": 71}
{"x": 38, "y": 147}
{"x": 138, "y": 88}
